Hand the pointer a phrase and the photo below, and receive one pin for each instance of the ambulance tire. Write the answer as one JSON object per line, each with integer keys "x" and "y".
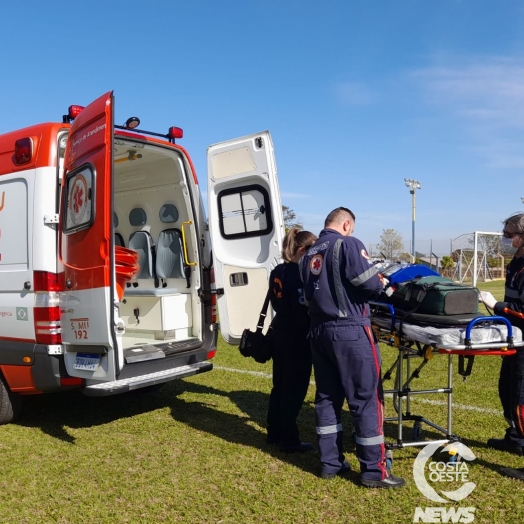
{"x": 10, "y": 404}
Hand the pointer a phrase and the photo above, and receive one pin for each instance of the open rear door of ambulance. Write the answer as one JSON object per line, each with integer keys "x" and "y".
{"x": 86, "y": 247}
{"x": 246, "y": 227}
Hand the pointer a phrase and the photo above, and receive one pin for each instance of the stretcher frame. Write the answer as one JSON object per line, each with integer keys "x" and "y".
{"x": 405, "y": 373}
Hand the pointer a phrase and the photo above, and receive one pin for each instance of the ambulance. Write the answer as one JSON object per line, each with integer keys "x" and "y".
{"x": 110, "y": 272}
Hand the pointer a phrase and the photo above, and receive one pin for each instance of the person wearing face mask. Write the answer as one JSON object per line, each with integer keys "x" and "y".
{"x": 338, "y": 282}
{"x": 511, "y": 379}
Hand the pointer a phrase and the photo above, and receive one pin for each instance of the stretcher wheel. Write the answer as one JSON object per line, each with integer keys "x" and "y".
{"x": 454, "y": 458}
{"x": 416, "y": 432}
{"x": 389, "y": 459}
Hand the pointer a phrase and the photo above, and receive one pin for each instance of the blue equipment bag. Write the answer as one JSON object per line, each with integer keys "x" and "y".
{"x": 399, "y": 273}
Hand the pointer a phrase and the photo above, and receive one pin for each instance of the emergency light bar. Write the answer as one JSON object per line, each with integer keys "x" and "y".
{"x": 172, "y": 134}
{"x": 175, "y": 132}
{"x": 131, "y": 124}
{"x": 72, "y": 113}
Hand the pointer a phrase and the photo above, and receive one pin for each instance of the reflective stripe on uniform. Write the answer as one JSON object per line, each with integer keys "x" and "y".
{"x": 339, "y": 289}
{"x": 369, "y": 441}
{"x": 364, "y": 277}
{"x": 328, "y": 430}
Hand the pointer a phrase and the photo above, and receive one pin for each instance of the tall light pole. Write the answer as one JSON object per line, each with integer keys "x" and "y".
{"x": 413, "y": 186}
{"x": 522, "y": 199}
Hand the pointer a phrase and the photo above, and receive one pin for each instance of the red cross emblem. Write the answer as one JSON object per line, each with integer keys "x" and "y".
{"x": 316, "y": 264}
{"x": 78, "y": 199}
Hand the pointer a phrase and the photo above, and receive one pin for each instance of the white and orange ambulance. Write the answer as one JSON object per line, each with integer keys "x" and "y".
{"x": 107, "y": 262}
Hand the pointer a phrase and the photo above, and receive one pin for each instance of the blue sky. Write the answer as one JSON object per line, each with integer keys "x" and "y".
{"x": 358, "y": 95}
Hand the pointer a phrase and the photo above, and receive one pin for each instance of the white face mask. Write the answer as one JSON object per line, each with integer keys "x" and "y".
{"x": 508, "y": 247}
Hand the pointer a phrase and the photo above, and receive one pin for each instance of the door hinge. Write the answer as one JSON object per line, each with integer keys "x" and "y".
{"x": 51, "y": 219}
{"x": 205, "y": 293}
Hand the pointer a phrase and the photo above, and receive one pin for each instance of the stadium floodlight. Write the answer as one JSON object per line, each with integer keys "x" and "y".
{"x": 413, "y": 186}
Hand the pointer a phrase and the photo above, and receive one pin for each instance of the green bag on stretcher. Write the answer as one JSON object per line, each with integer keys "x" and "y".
{"x": 435, "y": 295}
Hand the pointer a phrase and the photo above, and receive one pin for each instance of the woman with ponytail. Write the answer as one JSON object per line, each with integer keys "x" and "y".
{"x": 291, "y": 352}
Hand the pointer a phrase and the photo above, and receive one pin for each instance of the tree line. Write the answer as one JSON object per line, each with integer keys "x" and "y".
{"x": 391, "y": 245}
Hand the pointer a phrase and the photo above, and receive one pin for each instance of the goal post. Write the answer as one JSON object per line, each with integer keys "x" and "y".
{"x": 475, "y": 252}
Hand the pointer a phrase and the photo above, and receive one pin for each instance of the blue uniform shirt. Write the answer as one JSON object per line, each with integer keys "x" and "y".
{"x": 338, "y": 278}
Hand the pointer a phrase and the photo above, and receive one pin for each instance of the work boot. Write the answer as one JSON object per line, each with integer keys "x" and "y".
{"x": 505, "y": 444}
{"x": 514, "y": 473}
{"x": 344, "y": 470}
{"x": 301, "y": 447}
{"x": 389, "y": 482}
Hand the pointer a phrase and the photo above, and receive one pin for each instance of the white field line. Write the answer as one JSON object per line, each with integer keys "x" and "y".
{"x": 414, "y": 398}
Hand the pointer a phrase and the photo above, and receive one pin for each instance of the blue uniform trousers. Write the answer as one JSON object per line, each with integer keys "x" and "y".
{"x": 511, "y": 393}
{"x": 346, "y": 364}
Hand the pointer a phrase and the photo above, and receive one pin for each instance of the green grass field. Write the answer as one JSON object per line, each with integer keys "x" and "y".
{"x": 194, "y": 451}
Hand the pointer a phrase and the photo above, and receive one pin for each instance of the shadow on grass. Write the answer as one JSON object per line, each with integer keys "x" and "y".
{"x": 239, "y": 429}
{"x": 54, "y": 413}
{"x": 430, "y": 434}
{"x": 57, "y": 413}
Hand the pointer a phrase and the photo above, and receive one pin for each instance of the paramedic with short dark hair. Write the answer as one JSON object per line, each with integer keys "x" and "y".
{"x": 511, "y": 383}
{"x": 338, "y": 281}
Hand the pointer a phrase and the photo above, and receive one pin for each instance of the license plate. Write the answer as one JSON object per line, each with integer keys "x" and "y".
{"x": 86, "y": 361}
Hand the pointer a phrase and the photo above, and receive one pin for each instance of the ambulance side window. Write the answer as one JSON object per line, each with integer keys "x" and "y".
{"x": 244, "y": 212}
{"x": 78, "y": 199}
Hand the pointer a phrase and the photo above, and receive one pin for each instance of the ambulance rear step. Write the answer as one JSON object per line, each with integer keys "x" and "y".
{"x": 142, "y": 352}
{"x": 121, "y": 386}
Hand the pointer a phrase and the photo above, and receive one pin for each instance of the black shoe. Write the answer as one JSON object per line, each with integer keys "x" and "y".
{"x": 514, "y": 473}
{"x": 344, "y": 470}
{"x": 301, "y": 447}
{"x": 505, "y": 444}
{"x": 390, "y": 482}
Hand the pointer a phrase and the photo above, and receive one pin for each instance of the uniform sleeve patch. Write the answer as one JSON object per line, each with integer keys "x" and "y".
{"x": 315, "y": 264}
{"x": 277, "y": 287}
{"x": 364, "y": 254}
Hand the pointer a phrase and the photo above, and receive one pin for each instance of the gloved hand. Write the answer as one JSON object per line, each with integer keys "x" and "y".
{"x": 488, "y": 299}
{"x": 384, "y": 280}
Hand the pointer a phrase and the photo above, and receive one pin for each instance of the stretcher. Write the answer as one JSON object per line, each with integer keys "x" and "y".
{"x": 422, "y": 337}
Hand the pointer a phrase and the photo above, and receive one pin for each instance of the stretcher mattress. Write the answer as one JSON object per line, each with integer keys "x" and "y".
{"x": 452, "y": 337}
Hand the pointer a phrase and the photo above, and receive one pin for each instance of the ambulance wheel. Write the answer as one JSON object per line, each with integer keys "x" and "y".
{"x": 10, "y": 404}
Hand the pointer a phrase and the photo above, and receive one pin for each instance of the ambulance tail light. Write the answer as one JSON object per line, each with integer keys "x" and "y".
{"x": 47, "y": 325}
{"x": 23, "y": 151}
{"x": 47, "y": 308}
{"x": 45, "y": 281}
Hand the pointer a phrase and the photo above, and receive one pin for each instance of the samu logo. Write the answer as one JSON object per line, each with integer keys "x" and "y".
{"x": 444, "y": 472}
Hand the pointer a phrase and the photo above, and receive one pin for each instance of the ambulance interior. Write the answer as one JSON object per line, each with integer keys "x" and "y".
{"x": 152, "y": 208}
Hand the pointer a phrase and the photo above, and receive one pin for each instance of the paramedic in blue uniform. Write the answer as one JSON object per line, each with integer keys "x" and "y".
{"x": 511, "y": 379}
{"x": 338, "y": 281}
{"x": 290, "y": 346}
